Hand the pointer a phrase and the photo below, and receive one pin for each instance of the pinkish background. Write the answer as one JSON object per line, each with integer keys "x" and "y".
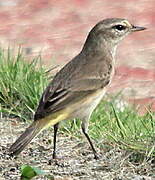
{"x": 58, "y": 28}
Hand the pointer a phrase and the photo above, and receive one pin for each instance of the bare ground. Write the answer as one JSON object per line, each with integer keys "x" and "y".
{"x": 76, "y": 159}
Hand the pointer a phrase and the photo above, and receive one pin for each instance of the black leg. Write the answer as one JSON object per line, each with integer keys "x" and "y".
{"x": 91, "y": 144}
{"x": 54, "y": 140}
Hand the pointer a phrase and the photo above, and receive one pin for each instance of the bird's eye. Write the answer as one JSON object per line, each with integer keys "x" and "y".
{"x": 119, "y": 27}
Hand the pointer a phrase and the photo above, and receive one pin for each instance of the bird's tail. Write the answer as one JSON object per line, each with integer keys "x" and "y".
{"x": 35, "y": 128}
{"x": 26, "y": 137}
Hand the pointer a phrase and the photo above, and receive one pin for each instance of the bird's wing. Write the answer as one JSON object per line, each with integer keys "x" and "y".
{"x": 89, "y": 84}
{"x": 72, "y": 83}
{"x": 58, "y": 97}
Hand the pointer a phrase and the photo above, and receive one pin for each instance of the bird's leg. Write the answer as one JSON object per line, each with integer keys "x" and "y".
{"x": 90, "y": 142}
{"x": 54, "y": 140}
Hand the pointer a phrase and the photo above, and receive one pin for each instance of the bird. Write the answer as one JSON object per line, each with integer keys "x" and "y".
{"x": 76, "y": 90}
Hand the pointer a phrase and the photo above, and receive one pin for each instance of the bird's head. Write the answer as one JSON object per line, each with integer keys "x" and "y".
{"x": 114, "y": 29}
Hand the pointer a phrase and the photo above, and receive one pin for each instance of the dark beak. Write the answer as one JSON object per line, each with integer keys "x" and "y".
{"x": 136, "y": 28}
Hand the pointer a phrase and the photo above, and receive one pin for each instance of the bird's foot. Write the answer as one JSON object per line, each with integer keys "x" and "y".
{"x": 96, "y": 156}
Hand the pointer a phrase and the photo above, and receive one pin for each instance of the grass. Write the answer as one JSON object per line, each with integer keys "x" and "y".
{"x": 125, "y": 129}
{"x": 22, "y": 83}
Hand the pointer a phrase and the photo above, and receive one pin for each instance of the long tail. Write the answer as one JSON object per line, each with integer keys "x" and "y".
{"x": 26, "y": 137}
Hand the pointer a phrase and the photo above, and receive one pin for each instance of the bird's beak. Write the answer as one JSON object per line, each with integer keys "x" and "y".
{"x": 137, "y": 28}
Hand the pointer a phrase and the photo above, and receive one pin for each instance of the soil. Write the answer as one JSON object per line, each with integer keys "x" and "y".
{"x": 75, "y": 160}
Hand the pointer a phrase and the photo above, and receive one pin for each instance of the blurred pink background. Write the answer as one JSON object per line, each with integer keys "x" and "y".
{"x": 57, "y": 29}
